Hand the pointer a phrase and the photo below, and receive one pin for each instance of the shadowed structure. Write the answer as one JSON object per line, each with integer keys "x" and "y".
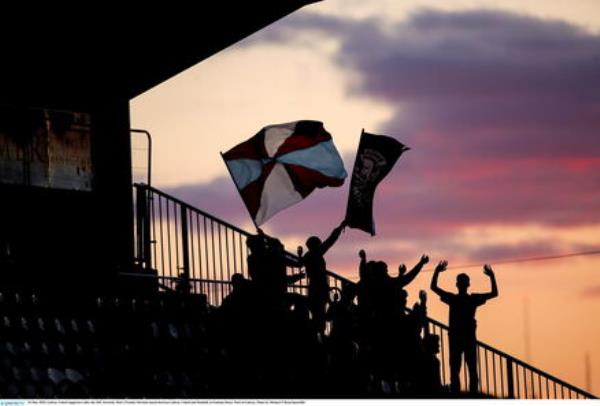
{"x": 58, "y": 58}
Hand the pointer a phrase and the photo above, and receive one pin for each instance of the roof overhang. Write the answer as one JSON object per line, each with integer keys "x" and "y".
{"x": 68, "y": 57}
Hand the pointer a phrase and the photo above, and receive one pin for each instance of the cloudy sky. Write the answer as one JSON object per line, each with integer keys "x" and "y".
{"x": 500, "y": 104}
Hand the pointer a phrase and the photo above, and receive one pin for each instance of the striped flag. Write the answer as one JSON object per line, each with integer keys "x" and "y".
{"x": 282, "y": 164}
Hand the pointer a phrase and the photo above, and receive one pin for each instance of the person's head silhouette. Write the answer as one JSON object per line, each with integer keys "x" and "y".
{"x": 255, "y": 243}
{"x": 313, "y": 243}
{"x": 463, "y": 282}
{"x": 237, "y": 281}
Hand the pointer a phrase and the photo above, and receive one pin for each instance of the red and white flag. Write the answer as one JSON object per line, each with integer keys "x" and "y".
{"x": 282, "y": 164}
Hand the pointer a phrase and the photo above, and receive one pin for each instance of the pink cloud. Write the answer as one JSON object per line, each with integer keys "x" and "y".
{"x": 592, "y": 292}
{"x": 502, "y": 114}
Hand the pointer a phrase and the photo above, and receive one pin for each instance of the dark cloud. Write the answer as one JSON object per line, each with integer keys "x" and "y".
{"x": 502, "y": 112}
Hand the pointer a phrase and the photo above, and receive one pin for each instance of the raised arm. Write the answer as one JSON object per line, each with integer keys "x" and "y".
{"x": 335, "y": 234}
{"x": 441, "y": 267}
{"x": 362, "y": 267}
{"x": 295, "y": 277}
{"x": 487, "y": 269}
{"x": 406, "y": 278}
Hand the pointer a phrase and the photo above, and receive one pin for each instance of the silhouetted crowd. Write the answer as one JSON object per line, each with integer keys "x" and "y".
{"x": 357, "y": 341}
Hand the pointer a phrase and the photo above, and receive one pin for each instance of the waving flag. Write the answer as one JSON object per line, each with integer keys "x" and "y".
{"x": 282, "y": 164}
{"x": 375, "y": 158}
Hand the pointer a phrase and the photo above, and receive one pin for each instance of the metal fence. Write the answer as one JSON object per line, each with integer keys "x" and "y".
{"x": 181, "y": 241}
{"x": 503, "y": 376}
{"x": 187, "y": 245}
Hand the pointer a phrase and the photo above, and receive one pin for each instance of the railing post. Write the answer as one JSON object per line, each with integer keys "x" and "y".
{"x": 510, "y": 379}
{"x": 143, "y": 226}
{"x": 185, "y": 249}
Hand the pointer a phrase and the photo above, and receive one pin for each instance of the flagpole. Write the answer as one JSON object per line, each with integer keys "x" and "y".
{"x": 351, "y": 176}
{"x": 238, "y": 189}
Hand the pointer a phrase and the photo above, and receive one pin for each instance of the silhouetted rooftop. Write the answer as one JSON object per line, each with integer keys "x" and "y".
{"x": 57, "y": 54}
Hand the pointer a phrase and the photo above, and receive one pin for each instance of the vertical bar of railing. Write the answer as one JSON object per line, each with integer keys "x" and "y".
{"x": 143, "y": 223}
{"x": 479, "y": 372}
{"x": 220, "y": 262}
{"x": 160, "y": 228}
{"x": 168, "y": 227}
{"x": 235, "y": 264}
{"x": 177, "y": 236}
{"x": 443, "y": 351}
{"x": 463, "y": 362}
{"x": 139, "y": 230}
{"x": 502, "y": 369}
{"x": 531, "y": 380}
{"x": 510, "y": 379}
{"x": 153, "y": 223}
{"x": 192, "y": 245}
{"x": 494, "y": 374}
{"x": 199, "y": 247}
{"x": 246, "y": 256}
{"x": 214, "y": 260}
{"x": 206, "y": 252}
{"x": 487, "y": 372}
{"x": 228, "y": 253}
{"x": 241, "y": 255}
{"x": 185, "y": 249}
{"x": 525, "y": 386}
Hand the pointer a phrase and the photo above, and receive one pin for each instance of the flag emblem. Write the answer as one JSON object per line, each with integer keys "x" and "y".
{"x": 375, "y": 158}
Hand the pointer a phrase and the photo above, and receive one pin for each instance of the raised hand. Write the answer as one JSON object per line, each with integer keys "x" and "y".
{"x": 401, "y": 269}
{"x": 424, "y": 259}
{"x": 441, "y": 267}
{"x": 487, "y": 269}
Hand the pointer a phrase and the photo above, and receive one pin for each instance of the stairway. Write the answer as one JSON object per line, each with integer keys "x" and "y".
{"x": 187, "y": 245}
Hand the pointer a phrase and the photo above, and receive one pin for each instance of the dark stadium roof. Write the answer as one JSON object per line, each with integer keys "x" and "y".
{"x": 85, "y": 54}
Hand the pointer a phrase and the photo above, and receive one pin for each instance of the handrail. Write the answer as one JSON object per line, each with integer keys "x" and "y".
{"x": 519, "y": 362}
{"x": 192, "y": 240}
{"x": 192, "y": 208}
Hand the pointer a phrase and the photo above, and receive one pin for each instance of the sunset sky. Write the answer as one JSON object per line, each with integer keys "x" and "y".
{"x": 500, "y": 104}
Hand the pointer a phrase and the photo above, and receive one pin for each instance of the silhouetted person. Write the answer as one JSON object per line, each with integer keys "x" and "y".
{"x": 343, "y": 316}
{"x": 183, "y": 286}
{"x": 240, "y": 296}
{"x": 267, "y": 267}
{"x": 462, "y": 323}
{"x": 343, "y": 346}
{"x": 430, "y": 384}
{"x": 316, "y": 270}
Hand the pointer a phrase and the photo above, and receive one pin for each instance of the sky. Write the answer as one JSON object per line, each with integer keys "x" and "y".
{"x": 500, "y": 103}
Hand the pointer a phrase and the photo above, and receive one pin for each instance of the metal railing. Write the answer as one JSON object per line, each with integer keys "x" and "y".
{"x": 503, "y": 376}
{"x": 187, "y": 245}
{"x": 182, "y": 241}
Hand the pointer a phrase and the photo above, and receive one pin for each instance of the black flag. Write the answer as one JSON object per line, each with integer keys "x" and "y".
{"x": 375, "y": 158}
